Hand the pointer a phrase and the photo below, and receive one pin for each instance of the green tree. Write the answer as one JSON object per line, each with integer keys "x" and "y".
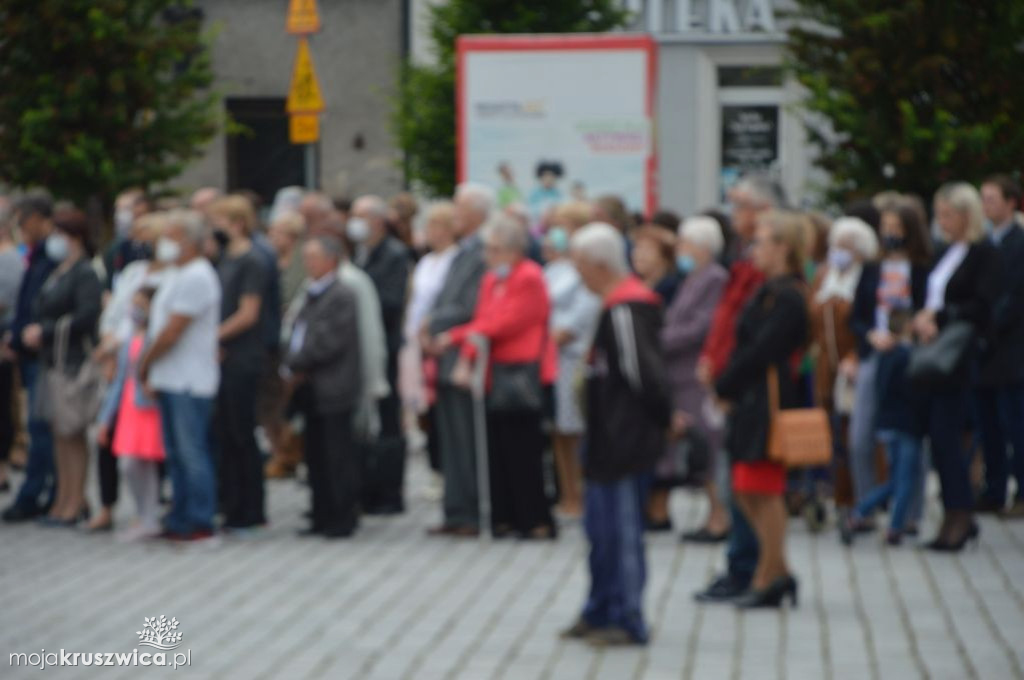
{"x": 424, "y": 118}
{"x": 908, "y": 94}
{"x": 99, "y": 95}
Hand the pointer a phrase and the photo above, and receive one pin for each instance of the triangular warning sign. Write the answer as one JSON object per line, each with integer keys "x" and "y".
{"x": 304, "y": 93}
{"x": 303, "y": 17}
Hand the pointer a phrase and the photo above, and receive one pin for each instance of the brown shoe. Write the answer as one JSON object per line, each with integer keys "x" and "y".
{"x": 578, "y": 631}
{"x": 612, "y": 637}
{"x": 457, "y": 532}
{"x": 278, "y": 469}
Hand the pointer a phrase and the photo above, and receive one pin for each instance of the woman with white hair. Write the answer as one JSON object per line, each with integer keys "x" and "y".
{"x": 687, "y": 321}
{"x": 511, "y": 314}
{"x": 962, "y": 290}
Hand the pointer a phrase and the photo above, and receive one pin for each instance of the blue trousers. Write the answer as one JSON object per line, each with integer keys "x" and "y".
{"x": 1001, "y": 421}
{"x": 904, "y": 483}
{"x": 36, "y": 492}
{"x": 186, "y": 432}
{"x": 742, "y": 550}
{"x": 613, "y": 517}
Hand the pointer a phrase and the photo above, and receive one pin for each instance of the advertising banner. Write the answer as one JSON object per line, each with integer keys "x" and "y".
{"x": 544, "y": 119}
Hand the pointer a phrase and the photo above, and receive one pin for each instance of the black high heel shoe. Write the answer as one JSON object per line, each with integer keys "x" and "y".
{"x": 955, "y": 545}
{"x": 772, "y": 596}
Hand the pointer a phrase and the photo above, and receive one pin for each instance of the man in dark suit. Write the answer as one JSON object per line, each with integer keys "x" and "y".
{"x": 323, "y": 362}
{"x": 1001, "y": 382}
{"x": 387, "y": 262}
{"x": 454, "y": 306}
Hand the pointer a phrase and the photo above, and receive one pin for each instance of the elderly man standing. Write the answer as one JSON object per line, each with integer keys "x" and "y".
{"x": 181, "y": 366}
{"x": 453, "y": 307}
{"x": 323, "y": 359}
{"x": 386, "y": 260}
{"x": 628, "y": 413}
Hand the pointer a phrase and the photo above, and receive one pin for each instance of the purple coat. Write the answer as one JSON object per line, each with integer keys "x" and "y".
{"x": 687, "y": 321}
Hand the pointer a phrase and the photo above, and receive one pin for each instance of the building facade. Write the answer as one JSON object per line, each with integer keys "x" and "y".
{"x": 357, "y": 55}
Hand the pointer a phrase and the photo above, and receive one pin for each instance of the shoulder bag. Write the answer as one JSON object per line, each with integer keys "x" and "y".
{"x": 74, "y": 398}
{"x": 799, "y": 437}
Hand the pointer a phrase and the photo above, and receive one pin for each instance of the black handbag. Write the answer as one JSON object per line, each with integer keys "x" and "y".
{"x": 516, "y": 387}
{"x": 939, "y": 363}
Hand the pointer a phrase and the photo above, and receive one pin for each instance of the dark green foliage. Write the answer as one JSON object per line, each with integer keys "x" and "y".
{"x": 99, "y": 95}
{"x": 908, "y": 94}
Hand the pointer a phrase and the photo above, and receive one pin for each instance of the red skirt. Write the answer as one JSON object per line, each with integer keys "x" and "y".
{"x": 761, "y": 477}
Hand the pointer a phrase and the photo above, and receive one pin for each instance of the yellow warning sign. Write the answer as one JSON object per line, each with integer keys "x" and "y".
{"x": 304, "y": 128}
{"x": 304, "y": 93}
{"x": 303, "y": 17}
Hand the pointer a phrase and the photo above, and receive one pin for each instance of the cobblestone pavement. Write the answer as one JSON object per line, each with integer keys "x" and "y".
{"x": 394, "y": 604}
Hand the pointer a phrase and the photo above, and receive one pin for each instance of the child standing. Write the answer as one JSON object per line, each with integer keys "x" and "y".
{"x": 897, "y": 429}
{"x": 137, "y": 439}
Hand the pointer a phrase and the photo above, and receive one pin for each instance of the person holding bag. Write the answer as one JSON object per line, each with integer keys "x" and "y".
{"x": 512, "y": 315}
{"x": 760, "y": 378}
{"x": 64, "y": 330}
{"x": 962, "y": 289}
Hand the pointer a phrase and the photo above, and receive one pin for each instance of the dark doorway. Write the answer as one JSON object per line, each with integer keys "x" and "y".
{"x": 261, "y": 159}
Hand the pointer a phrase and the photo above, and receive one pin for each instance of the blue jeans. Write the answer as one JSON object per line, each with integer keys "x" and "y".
{"x": 1001, "y": 422}
{"x": 613, "y": 517}
{"x": 904, "y": 484}
{"x": 742, "y": 551}
{"x": 36, "y": 492}
{"x": 185, "y": 421}
{"x": 861, "y": 452}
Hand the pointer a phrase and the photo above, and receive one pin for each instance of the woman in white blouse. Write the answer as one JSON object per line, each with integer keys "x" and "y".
{"x": 961, "y": 289}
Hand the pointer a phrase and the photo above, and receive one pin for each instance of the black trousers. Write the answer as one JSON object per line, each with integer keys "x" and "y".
{"x": 333, "y": 472}
{"x": 108, "y": 474}
{"x": 515, "y": 446}
{"x": 7, "y": 397}
{"x": 241, "y": 464}
{"x": 384, "y": 461}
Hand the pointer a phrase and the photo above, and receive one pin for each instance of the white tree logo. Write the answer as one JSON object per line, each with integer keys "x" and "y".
{"x": 161, "y": 633}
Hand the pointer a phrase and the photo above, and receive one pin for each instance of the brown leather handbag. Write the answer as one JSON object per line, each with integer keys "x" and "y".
{"x": 799, "y": 437}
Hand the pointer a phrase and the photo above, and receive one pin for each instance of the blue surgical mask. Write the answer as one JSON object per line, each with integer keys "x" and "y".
{"x": 57, "y": 247}
{"x": 559, "y": 239}
{"x": 502, "y": 271}
{"x": 685, "y": 263}
{"x": 840, "y": 258}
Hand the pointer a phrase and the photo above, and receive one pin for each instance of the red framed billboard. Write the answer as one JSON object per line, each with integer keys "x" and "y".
{"x": 547, "y": 118}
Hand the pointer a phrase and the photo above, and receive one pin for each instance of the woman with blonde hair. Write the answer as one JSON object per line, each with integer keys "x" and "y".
{"x": 962, "y": 290}
{"x": 770, "y": 334}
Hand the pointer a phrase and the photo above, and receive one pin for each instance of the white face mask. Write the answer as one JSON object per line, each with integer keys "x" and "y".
{"x": 167, "y": 251}
{"x": 357, "y": 229}
{"x": 57, "y": 247}
{"x": 123, "y": 220}
{"x": 840, "y": 258}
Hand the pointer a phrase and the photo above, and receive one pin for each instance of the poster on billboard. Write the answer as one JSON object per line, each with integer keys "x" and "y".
{"x": 544, "y": 119}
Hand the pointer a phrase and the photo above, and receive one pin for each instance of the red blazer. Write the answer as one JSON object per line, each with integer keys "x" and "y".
{"x": 512, "y": 313}
{"x": 744, "y": 280}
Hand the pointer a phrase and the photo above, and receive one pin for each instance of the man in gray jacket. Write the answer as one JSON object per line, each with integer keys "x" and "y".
{"x": 454, "y": 306}
{"x": 323, "y": 359}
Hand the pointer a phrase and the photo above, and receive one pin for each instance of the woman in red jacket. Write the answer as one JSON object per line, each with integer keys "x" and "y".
{"x": 512, "y": 316}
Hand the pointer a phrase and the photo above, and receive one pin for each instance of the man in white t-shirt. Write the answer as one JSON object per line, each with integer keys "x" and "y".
{"x": 181, "y": 366}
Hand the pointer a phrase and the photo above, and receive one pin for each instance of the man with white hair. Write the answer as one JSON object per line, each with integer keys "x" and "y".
{"x": 627, "y": 398}
{"x": 387, "y": 262}
{"x": 453, "y": 307}
{"x": 181, "y": 365}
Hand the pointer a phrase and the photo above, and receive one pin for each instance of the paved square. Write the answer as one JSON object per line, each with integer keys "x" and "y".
{"x": 393, "y": 604}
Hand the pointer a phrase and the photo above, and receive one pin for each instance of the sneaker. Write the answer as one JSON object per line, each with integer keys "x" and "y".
{"x": 203, "y": 538}
{"x": 578, "y": 630}
{"x": 136, "y": 532}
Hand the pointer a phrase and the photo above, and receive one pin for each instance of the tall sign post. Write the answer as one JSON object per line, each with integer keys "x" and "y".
{"x": 305, "y": 102}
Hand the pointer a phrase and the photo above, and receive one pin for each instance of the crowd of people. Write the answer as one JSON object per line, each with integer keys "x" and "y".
{"x": 594, "y": 360}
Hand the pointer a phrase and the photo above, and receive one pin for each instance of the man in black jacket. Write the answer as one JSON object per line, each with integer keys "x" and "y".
{"x": 34, "y": 216}
{"x": 1001, "y": 382}
{"x": 388, "y": 263}
{"x": 627, "y": 405}
{"x": 323, "y": 355}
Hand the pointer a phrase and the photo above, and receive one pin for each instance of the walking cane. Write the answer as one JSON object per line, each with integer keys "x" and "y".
{"x": 479, "y": 391}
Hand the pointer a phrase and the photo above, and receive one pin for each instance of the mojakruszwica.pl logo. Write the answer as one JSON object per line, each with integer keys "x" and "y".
{"x": 160, "y": 633}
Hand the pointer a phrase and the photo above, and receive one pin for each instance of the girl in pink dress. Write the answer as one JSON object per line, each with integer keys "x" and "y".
{"x": 137, "y": 438}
